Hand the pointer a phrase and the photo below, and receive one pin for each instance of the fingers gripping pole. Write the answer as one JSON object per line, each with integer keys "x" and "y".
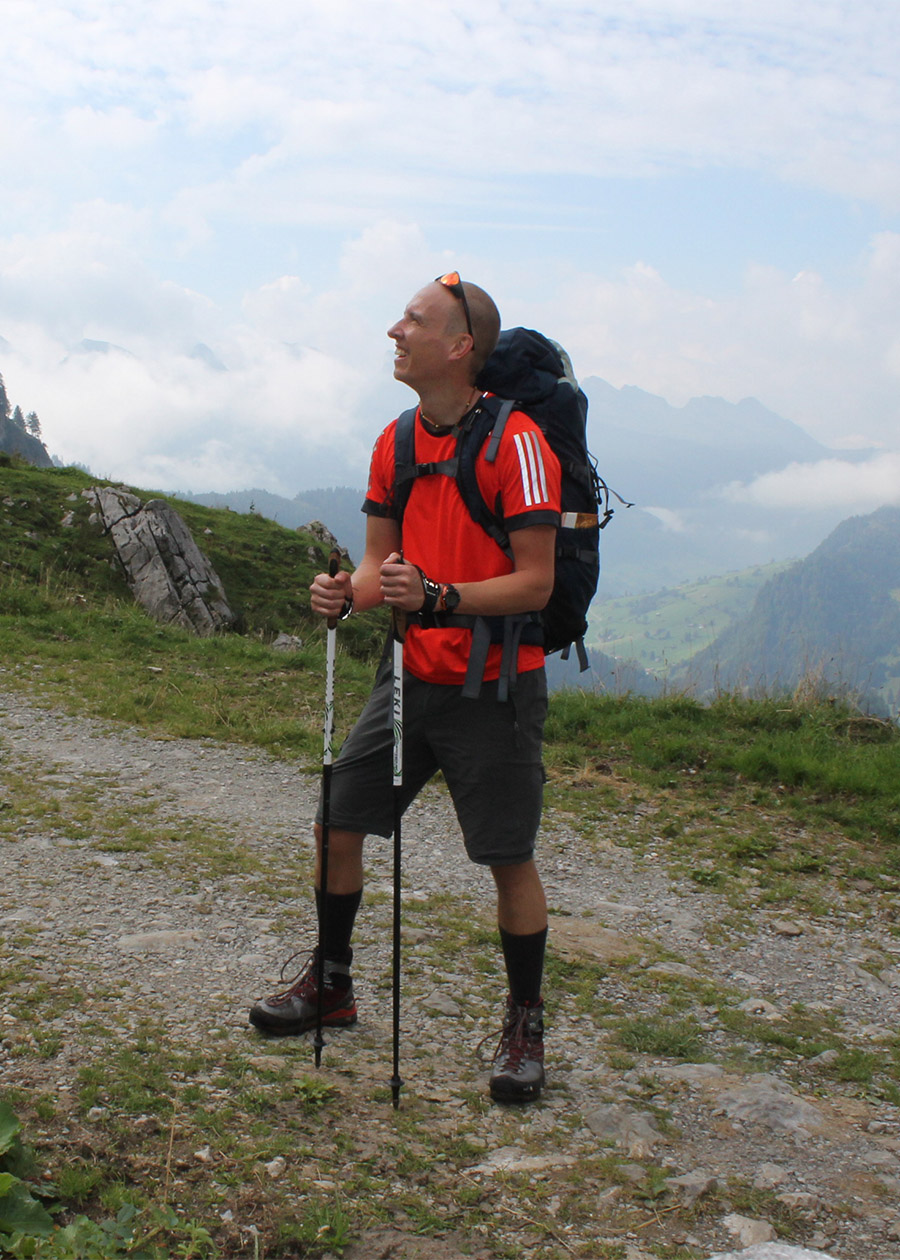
{"x": 399, "y": 630}
{"x": 334, "y": 564}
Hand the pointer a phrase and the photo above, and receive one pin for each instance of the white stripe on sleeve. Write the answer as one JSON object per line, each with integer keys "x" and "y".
{"x": 541, "y": 471}
{"x": 523, "y": 465}
{"x": 531, "y": 463}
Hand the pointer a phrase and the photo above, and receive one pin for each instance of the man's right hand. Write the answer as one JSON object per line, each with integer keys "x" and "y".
{"x": 328, "y": 595}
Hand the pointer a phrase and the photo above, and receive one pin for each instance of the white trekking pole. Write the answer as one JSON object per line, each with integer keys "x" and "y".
{"x": 398, "y": 624}
{"x": 334, "y": 564}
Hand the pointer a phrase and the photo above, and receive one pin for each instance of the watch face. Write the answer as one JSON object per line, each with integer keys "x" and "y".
{"x": 451, "y": 599}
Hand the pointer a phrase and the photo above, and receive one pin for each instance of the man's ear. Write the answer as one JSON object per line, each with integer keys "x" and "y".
{"x": 463, "y": 345}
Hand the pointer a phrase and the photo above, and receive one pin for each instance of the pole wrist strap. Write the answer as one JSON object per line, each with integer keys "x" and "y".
{"x": 432, "y": 593}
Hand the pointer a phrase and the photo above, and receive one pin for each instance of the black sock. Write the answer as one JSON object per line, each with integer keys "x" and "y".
{"x": 340, "y": 916}
{"x": 524, "y": 958}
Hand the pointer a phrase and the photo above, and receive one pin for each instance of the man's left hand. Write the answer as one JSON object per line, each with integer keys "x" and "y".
{"x": 401, "y": 584}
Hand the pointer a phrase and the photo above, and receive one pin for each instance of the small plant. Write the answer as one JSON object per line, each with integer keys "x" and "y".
{"x": 313, "y": 1092}
{"x": 28, "y": 1231}
{"x": 21, "y": 1213}
{"x": 663, "y": 1038}
{"x": 654, "y": 1186}
{"x": 325, "y": 1227}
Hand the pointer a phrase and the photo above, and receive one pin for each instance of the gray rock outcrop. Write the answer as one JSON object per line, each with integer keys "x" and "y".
{"x": 168, "y": 573}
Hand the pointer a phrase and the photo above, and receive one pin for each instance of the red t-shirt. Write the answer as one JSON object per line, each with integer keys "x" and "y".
{"x": 440, "y": 536}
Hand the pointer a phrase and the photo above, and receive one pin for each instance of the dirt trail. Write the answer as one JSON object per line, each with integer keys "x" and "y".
{"x": 194, "y": 939}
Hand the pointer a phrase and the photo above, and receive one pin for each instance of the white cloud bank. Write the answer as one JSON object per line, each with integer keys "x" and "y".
{"x": 855, "y": 488}
{"x": 273, "y": 182}
{"x": 803, "y": 89}
{"x": 307, "y": 381}
{"x": 827, "y": 357}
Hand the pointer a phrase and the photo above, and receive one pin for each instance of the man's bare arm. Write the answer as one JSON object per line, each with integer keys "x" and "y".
{"x": 526, "y": 589}
{"x": 328, "y": 595}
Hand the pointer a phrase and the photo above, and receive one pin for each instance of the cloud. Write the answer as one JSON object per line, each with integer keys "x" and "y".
{"x": 117, "y": 129}
{"x": 308, "y": 362}
{"x": 671, "y": 521}
{"x": 801, "y": 91}
{"x": 273, "y": 418}
{"x": 292, "y": 408}
{"x": 827, "y": 357}
{"x": 856, "y": 487}
{"x": 274, "y": 182}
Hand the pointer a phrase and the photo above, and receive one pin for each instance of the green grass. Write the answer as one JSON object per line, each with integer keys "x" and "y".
{"x": 50, "y": 551}
{"x": 662, "y": 1037}
{"x": 70, "y": 630}
{"x": 822, "y": 762}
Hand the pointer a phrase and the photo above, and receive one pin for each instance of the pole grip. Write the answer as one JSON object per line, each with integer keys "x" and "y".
{"x": 334, "y": 566}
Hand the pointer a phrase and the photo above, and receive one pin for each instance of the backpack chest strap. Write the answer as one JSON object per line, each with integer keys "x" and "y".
{"x": 443, "y": 467}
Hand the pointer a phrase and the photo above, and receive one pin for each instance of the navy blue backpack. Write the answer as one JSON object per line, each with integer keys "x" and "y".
{"x": 527, "y": 372}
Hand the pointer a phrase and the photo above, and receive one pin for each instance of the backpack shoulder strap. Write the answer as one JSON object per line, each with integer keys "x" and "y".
{"x": 404, "y": 459}
{"x": 406, "y": 470}
{"x": 491, "y": 413}
{"x": 487, "y": 425}
{"x": 507, "y": 406}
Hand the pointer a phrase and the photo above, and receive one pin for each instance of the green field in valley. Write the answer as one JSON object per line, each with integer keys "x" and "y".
{"x": 664, "y": 629}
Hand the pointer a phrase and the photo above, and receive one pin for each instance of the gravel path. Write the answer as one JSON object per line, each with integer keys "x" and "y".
{"x": 199, "y": 939}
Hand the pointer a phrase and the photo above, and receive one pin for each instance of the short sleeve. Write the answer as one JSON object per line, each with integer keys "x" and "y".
{"x": 380, "y": 490}
{"x": 529, "y": 475}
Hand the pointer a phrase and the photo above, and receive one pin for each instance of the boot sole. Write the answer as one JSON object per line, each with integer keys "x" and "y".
{"x": 294, "y": 1028}
{"x": 511, "y": 1092}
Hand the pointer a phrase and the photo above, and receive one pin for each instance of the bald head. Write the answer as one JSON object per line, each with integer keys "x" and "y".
{"x": 482, "y": 314}
{"x": 485, "y": 324}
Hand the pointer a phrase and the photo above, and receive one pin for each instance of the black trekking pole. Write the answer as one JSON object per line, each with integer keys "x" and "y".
{"x": 334, "y": 564}
{"x": 398, "y": 625}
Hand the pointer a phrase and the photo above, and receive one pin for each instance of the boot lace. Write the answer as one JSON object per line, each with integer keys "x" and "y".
{"x": 302, "y": 983}
{"x": 514, "y": 1038}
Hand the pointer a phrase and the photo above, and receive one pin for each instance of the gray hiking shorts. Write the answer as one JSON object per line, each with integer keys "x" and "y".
{"x": 489, "y": 752}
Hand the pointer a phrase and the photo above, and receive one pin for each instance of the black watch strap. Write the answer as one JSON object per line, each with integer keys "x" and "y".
{"x": 450, "y": 597}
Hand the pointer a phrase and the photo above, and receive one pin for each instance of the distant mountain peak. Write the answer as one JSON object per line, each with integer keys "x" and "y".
{"x": 88, "y": 345}
{"x": 202, "y": 352}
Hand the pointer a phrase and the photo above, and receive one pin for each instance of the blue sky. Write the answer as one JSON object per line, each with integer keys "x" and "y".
{"x": 694, "y": 196}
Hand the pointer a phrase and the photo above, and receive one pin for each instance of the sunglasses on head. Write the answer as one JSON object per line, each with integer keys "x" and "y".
{"x": 452, "y": 282}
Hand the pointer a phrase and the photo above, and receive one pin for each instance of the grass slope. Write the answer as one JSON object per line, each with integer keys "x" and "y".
{"x": 69, "y": 626}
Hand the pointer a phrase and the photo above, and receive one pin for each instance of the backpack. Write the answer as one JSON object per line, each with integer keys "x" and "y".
{"x": 526, "y": 372}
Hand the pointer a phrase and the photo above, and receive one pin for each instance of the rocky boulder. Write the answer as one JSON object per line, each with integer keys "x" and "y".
{"x": 168, "y": 573}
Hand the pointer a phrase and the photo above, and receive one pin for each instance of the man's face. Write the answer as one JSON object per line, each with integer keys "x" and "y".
{"x": 423, "y": 343}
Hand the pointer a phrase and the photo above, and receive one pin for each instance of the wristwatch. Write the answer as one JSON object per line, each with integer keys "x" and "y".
{"x": 449, "y": 601}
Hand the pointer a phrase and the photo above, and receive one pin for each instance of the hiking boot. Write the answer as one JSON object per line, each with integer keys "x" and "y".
{"x": 294, "y": 1011}
{"x": 517, "y": 1074}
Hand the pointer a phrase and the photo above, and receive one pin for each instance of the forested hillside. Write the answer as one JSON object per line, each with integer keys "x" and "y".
{"x": 834, "y": 615}
{"x": 20, "y": 434}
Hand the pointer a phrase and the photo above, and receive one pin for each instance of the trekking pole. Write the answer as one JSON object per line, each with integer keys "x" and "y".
{"x": 398, "y": 625}
{"x": 334, "y": 564}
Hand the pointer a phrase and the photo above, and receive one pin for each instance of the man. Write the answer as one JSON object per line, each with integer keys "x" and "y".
{"x": 437, "y": 559}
